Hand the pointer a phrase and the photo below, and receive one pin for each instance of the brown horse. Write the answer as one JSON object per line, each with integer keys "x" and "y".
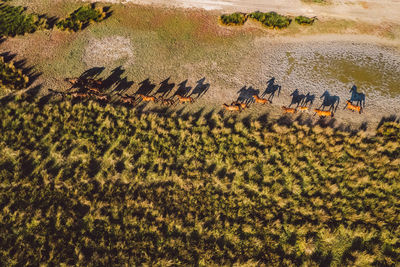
{"x": 323, "y": 113}
{"x": 232, "y": 107}
{"x": 103, "y": 98}
{"x": 79, "y": 95}
{"x": 352, "y": 107}
{"x": 148, "y": 98}
{"x": 183, "y": 99}
{"x": 243, "y": 106}
{"x": 127, "y": 99}
{"x": 260, "y": 100}
{"x": 289, "y": 110}
{"x": 302, "y": 109}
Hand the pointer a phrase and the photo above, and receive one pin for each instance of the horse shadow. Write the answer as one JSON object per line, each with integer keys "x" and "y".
{"x": 271, "y": 89}
{"x": 183, "y": 90}
{"x": 308, "y": 100}
{"x": 114, "y": 78}
{"x": 201, "y": 88}
{"x": 91, "y": 73}
{"x": 246, "y": 94}
{"x": 297, "y": 98}
{"x": 123, "y": 85}
{"x": 146, "y": 86}
{"x": 357, "y": 97}
{"x": 329, "y": 101}
{"x": 165, "y": 87}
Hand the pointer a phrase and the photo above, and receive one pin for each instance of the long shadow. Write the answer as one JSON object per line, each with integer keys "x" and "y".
{"x": 391, "y": 118}
{"x": 114, "y": 78}
{"x": 357, "y": 97}
{"x": 309, "y": 100}
{"x": 123, "y": 85}
{"x": 92, "y": 73}
{"x": 329, "y": 101}
{"x": 201, "y": 88}
{"x": 246, "y": 94}
{"x": 183, "y": 90}
{"x": 165, "y": 88}
{"x": 271, "y": 89}
{"x": 145, "y": 87}
{"x": 32, "y": 74}
{"x": 297, "y": 98}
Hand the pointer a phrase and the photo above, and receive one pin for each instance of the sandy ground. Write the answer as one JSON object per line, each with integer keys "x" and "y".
{"x": 372, "y": 11}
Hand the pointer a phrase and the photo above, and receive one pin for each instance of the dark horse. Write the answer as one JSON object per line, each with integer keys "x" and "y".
{"x": 330, "y": 101}
{"x": 357, "y": 97}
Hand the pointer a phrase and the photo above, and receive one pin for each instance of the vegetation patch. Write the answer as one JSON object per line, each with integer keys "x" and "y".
{"x": 82, "y": 17}
{"x": 302, "y": 20}
{"x": 11, "y": 77}
{"x": 271, "y": 19}
{"x": 15, "y": 21}
{"x": 86, "y": 184}
{"x": 234, "y": 19}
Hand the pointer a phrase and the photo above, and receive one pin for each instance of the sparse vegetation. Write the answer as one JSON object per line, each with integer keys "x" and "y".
{"x": 271, "y": 19}
{"x": 15, "y": 21}
{"x": 104, "y": 185}
{"x": 81, "y": 18}
{"x": 302, "y": 20}
{"x": 11, "y": 77}
{"x": 233, "y": 19}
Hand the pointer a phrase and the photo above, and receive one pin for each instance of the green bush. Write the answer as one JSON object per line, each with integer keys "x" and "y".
{"x": 11, "y": 77}
{"x": 233, "y": 19}
{"x": 14, "y": 21}
{"x": 302, "y": 20}
{"x": 81, "y": 18}
{"x": 271, "y": 19}
{"x": 85, "y": 184}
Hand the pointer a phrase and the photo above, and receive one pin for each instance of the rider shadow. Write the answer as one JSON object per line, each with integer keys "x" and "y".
{"x": 183, "y": 90}
{"x": 357, "y": 97}
{"x": 271, "y": 89}
{"x": 201, "y": 88}
{"x": 246, "y": 94}
{"x": 297, "y": 98}
{"x": 165, "y": 88}
{"x": 329, "y": 101}
{"x": 309, "y": 100}
{"x": 145, "y": 87}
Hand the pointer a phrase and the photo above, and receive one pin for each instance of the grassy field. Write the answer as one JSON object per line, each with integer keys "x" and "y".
{"x": 83, "y": 183}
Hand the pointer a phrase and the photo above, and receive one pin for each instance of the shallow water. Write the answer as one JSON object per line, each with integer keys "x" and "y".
{"x": 339, "y": 66}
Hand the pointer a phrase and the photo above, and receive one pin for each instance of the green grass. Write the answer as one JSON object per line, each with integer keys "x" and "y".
{"x": 81, "y": 18}
{"x": 271, "y": 19}
{"x": 11, "y": 78}
{"x": 15, "y": 21}
{"x": 302, "y": 20}
{"x": 104, "y": 185}
{"x": 233, "y": 19}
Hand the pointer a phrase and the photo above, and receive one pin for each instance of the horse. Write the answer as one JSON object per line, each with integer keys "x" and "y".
{"x": 329, "y": 101}
{"x": 289, "y": 110}
{"x": 323, "y": 113}
{"x": 183, "y": 99}
{"x": 357, "y": 97}
{"x": 78, "y": 95}
{"x": 240, "y": 104}
{"x": 260, "y": 100}
{"x": 166, "y": 101}
{"x": 103, "y": 98}
{"x": 352, "y": 107}
{"x": 148, "y": 98}
{"x": 303, "y": 109}
{"x": 232, "y": 107}
{"x": 127, "y": 99}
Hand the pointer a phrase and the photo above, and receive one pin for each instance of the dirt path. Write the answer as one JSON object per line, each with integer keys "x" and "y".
{"x": 372, "y": 11}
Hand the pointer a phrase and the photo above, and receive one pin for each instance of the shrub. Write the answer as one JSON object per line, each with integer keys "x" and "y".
{"x": 11, "y": 77}
{"x": 302, "y": 20}
{"x": 271, "y": 19}
{"x": 233, "y": 19}
{"x": 14, "y": 21}
{"x": 81, "y": 18}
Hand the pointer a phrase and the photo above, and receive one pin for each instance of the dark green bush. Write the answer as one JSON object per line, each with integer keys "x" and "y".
{"x": 233, "y": 19}
{"x": 11, "y": 77}
{"x": 271, "y": 19}
{"x": 81, "y": 18}
{"x": 14, "y": 21}
{"x": 302, "y": 20}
